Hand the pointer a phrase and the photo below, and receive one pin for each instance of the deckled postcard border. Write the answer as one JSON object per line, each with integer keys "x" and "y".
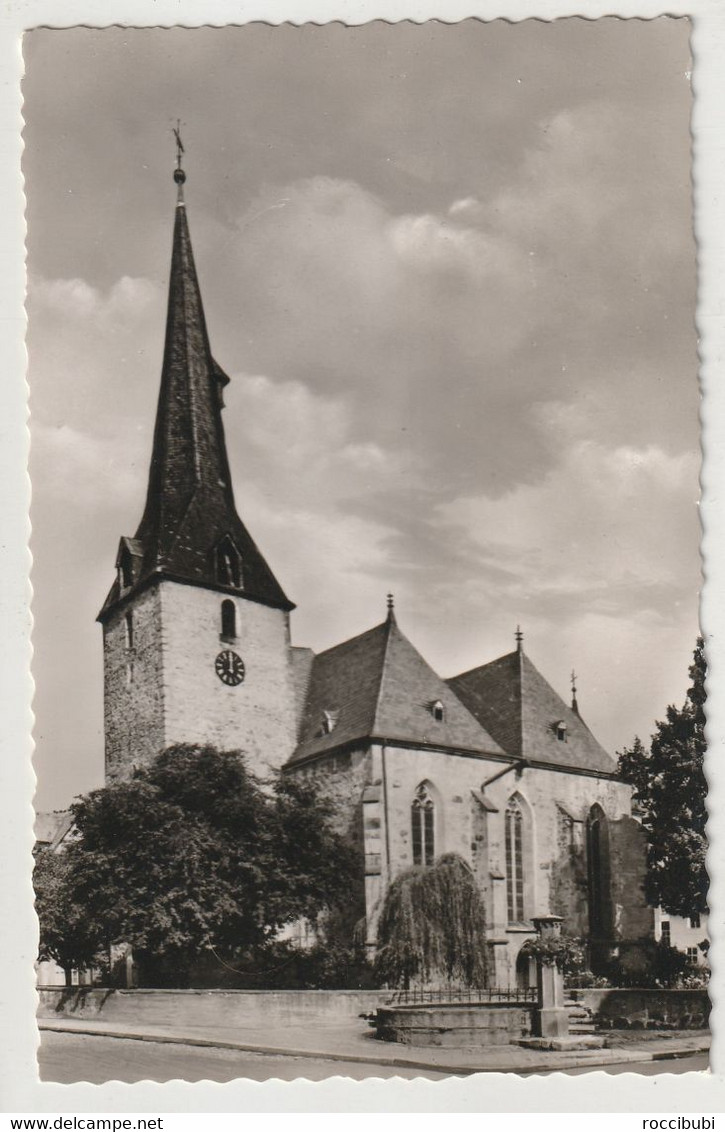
{"x": 20, "y": 1090}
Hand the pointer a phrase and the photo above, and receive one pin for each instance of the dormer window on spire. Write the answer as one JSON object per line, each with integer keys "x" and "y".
{"x": 438, "y": 711}
{"x": 128, "y": 563}
{"x": 228, "y": 564}
{"x": 125, "y": 570}
{"x": 329, "y": 721}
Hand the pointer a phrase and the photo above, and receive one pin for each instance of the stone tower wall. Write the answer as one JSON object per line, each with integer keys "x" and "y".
{"x": 175, "y": 695}
{"x": 257, "y": 716}
{"x": 133, "y": 685}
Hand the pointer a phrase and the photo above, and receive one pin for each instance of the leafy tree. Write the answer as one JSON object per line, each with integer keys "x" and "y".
{"x": 65, "y": 934}
{"x": 433, "y": 926}
{"x": 670, "y": 787}
{"x": 191, "y": 855}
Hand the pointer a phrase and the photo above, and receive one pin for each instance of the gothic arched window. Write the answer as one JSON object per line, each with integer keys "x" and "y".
{"x": 422, "y": 814}
{"x": 598, "y": 867}
{"x": 515, "y": 860}
{"x": 229, "y": 620}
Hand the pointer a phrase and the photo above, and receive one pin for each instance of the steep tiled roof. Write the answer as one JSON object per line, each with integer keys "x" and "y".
{"x": 190, "y": 505}
{"x": 512, "y": 700}
{"x": 378, "y": 685}
{"x": 52, "y": 826}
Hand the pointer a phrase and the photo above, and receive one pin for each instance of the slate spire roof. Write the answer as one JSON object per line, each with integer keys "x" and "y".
{"x": 513, "y": 701}
{"x": 190, "y": 530}
{"x": 378, "y": 686}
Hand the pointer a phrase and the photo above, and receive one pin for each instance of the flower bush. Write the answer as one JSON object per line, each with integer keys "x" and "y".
{"x": 562, "y": 951}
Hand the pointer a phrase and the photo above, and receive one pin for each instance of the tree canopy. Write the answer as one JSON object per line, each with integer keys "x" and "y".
{"x": 670, "y": 788}
{"x": 433, "y": 927}
{"x": 190, "y": 855}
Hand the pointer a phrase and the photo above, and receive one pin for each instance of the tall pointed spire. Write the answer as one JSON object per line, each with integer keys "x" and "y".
{"x": 190, "y": 530}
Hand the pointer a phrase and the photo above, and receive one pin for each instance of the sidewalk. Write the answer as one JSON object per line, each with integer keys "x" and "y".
{"x": 351, "y": 1042}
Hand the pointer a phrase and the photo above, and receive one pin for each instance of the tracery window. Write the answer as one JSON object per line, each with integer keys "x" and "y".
{"x": 423, "y": 823}
{"x": 515, "y": 860}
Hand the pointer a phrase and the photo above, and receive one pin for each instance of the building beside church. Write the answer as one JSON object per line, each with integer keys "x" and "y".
{"x": 491, "y": 764}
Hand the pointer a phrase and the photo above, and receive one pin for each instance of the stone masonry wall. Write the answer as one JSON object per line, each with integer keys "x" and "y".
{"x": 133, "y": 686}
{"x": 344, "y": 779}
{"x": 165, "y": 690}
{"x": 633, "y": 919}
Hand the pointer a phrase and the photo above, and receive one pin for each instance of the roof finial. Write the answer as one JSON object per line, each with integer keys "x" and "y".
{"x": 519, "y": 639}
{"x": 574, "y": 704}
{"x": 391, "y": 607}
{"x": 179, "y": 174}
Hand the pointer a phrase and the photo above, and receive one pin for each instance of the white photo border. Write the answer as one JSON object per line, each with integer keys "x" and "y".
{"x": 20, "y": 1090}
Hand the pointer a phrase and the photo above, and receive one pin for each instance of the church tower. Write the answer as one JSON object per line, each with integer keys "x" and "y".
{"x": 195, "y": 627}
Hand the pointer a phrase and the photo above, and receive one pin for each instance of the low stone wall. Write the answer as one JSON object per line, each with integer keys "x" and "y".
{"x": 635, "y": 1009}
{"x": 179, "y": 1008}
{"x": 455, "y": 1025}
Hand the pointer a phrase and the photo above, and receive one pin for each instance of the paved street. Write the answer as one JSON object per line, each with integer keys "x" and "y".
{"x": 80, "y": 1057}
{"x": 695, "y": 1063}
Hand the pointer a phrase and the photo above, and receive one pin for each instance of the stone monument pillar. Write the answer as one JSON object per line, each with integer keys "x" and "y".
{"x": 551, "y": 1019}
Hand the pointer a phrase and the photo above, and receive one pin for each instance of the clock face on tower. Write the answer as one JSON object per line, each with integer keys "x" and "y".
{"x": 229, "y": 667}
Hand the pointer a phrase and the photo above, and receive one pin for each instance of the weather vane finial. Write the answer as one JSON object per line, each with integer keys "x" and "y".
{"x": 391, "y": 605}
{"x": 519, "y": 638}
{"x": 179, "y": 174}
{"x": 574, "y": 704}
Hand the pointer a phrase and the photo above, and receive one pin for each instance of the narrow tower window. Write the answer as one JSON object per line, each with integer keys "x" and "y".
{"x": 229, "y": 620}
{"x": 129, "y": 631}
{"x": 515, "y": 861}
{"x": 423, "y": 822}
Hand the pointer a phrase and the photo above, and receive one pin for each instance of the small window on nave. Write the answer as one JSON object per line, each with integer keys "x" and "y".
{"x": 438, "y": 711}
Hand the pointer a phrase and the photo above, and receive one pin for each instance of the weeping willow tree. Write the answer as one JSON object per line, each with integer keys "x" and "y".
{"x": 433, "y": 927}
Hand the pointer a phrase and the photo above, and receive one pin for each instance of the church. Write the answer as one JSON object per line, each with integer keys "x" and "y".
{"x": 490, "y": 764}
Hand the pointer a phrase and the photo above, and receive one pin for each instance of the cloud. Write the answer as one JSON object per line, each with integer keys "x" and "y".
{"x": 127, "y": 298}
{"x": 465, "y": 205}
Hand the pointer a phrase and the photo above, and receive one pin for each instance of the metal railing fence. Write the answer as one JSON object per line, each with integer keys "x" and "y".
{"x": 439, "y": 995}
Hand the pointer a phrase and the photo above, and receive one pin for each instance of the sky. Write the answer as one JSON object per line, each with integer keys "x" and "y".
{"x": 450, "y": 270}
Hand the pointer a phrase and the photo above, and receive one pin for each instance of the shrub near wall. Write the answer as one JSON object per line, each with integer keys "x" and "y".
{"x": 645, "y": 1009}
